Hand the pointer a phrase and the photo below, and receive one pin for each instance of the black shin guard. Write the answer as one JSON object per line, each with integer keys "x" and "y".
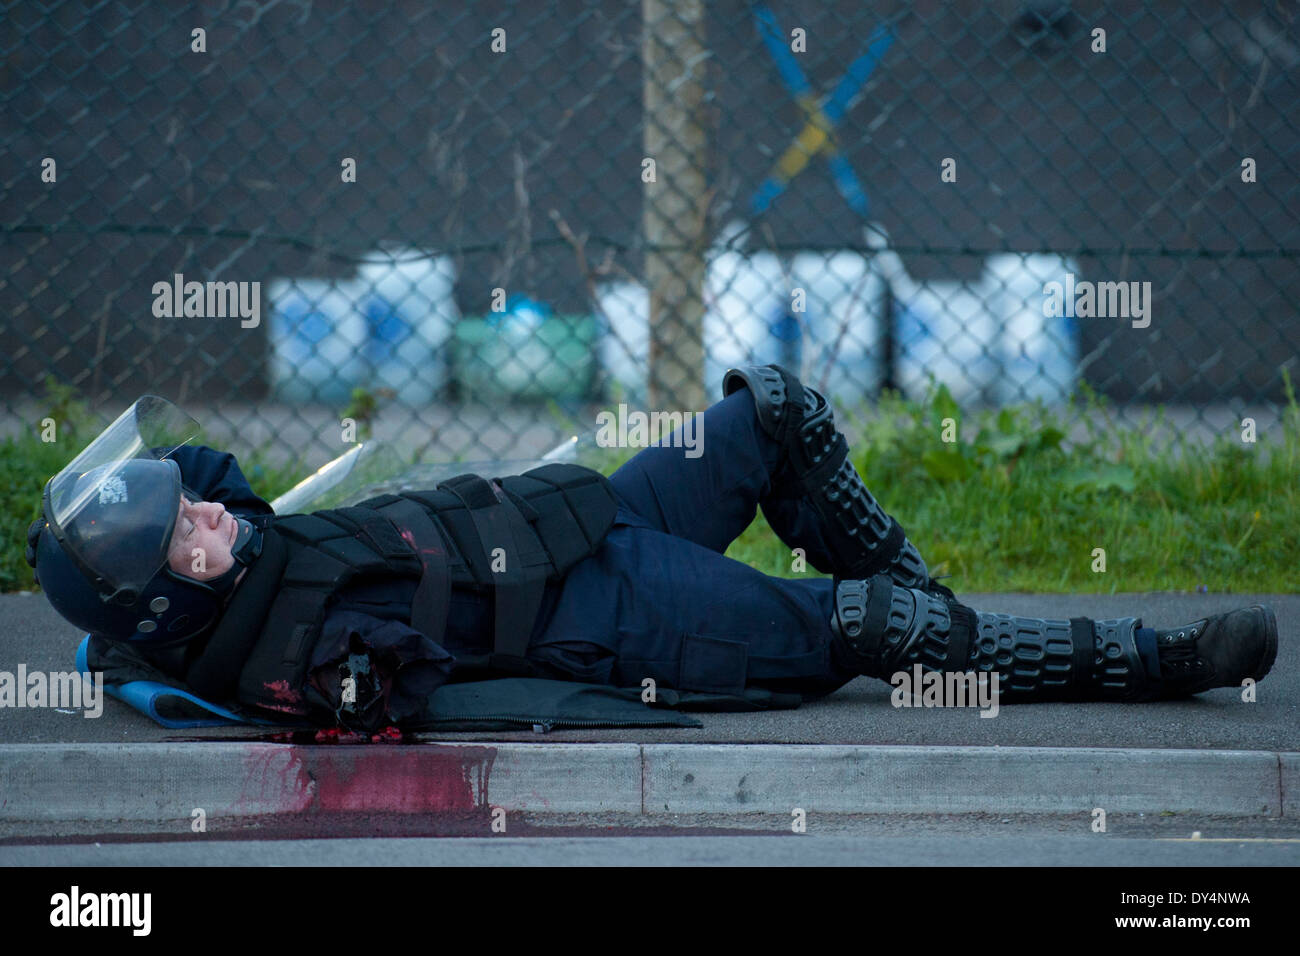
{"x": 861, "y": 538}
{"x": 881, "y": 628}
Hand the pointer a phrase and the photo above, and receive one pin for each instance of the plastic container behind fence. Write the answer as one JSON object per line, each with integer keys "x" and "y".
{"x": 747, "y": 314}
{"x": 747, "y": 320}
{"x": 318, "y": 339}
{"x": 944, "y": 331}
{"x": 842, "y": 323}
{"x": 406, "y": 297}
{"x": 987, "y": 340}
{"x": 525, "y": 353}
{"x": 1039, "y": 353}
{"x": 733, "y": 336}
{"x": 625, "y": 340}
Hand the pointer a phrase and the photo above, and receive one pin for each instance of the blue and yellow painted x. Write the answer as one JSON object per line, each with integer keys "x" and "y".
{"x": 823, "y": 116}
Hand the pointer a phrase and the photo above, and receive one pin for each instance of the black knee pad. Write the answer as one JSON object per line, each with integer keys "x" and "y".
{"x": 799, "y": 418}
{"x": 881, "y": 627}
{"x": 778, "y": 396}
{"x": 862, "y": 539}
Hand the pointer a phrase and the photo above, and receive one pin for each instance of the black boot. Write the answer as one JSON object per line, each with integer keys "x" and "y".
{"x": 861, "y": 539}
{"x": 1218, "y": 651}
{"x": 881, "y": 629}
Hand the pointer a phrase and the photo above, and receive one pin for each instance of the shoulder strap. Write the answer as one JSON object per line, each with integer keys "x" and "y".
{"x": 213, "y": 671}
{"x": 517, "y": 562}
{"x": 432, "y": 597}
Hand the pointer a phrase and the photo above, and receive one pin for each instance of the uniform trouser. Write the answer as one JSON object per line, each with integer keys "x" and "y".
{"x": 660, "y": 599}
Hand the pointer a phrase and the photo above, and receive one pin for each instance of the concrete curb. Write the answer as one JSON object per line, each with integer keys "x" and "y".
{"x": 167, "y": 781}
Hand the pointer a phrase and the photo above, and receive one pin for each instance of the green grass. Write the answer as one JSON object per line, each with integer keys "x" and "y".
{"x": 1012, "y": 507}
{"x": 1008, "y": 506}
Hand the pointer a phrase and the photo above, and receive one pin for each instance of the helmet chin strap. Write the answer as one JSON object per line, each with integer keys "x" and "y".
{"x": 247, "y": 547}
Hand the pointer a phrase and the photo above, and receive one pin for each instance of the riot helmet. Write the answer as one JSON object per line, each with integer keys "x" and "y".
{"x": 101, "y": 547}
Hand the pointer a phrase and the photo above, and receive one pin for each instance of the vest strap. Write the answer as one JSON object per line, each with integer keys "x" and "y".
{"x": 276, "y": 669}
{"x": 1083, "y": 648}
{"x": 432, "y": 598}
{"x": 516, "y": 561}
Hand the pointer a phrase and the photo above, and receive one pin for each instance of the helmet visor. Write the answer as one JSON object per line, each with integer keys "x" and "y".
{"x": 114, "y": 506}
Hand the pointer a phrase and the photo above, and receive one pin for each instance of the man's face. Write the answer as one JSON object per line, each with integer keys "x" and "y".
{"x": 207, "y": 528}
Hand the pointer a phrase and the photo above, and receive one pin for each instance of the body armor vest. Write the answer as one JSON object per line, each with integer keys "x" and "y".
{"x": 507, "y": 544}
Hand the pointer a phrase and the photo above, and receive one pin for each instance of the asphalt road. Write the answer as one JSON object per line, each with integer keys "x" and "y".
{"x": 978, "y": 850}
{"x": 860, "y": 713}
{"x": 595, "y": 839}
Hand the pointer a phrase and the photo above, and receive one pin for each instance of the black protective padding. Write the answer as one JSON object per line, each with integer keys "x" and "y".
{"x": 962, "y": 629}
{"x": 544, "y": 522}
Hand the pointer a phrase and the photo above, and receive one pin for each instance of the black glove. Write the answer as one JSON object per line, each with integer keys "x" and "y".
{"x": 354, "y": 688}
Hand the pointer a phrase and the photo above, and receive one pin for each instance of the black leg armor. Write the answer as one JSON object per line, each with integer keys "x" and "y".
{"x": 881, "y": 629}
{"x": 861, "y": 538}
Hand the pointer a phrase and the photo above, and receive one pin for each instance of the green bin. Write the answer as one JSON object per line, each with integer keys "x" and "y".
{"x": 504, "y": 359}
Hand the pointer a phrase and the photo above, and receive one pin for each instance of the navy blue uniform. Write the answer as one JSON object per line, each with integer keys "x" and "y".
{"x": 659, "y": 600}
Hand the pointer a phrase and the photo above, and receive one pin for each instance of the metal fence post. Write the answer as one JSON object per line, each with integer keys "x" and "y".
{"x": 674, "y": 58}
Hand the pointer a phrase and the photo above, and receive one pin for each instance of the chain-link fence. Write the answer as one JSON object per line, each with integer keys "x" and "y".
{"x": 474, "y": 225}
